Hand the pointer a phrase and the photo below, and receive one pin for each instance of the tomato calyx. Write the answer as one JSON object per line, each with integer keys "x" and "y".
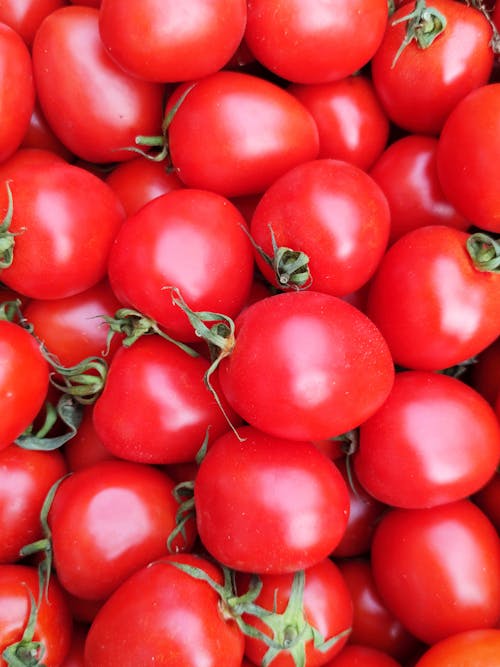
{"x": 68, "y": 411}
{"x": 7, "y": 238}
{"x": 424, "y": 25}
{"x": 26, "y": 652}
{"x": 484, "y": 251}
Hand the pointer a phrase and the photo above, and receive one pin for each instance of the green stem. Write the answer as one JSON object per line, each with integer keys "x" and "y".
{"x": 484, "y": 251}
{"x": 424, "y": 25}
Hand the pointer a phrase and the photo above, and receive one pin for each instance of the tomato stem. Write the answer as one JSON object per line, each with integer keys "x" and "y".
{"x": 424, "y": 25}
{"x": 69, "y": 411}
{"x": 484, "y": 251}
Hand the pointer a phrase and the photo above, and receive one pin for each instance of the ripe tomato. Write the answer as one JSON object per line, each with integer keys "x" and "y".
{"x": 179, "y": 615}
{"x": 40, "y": 135}
{"x": 484, "y": 374}
{"x": 235, "y": 134}
{"x": 438, "y": 569}
{"x": 446, "y": 54}
{"x": 167, "y": 41}
{"x": 24, "y": 381}
{"x": 488, "y": 500}
{"x": 85, "y": 448}
{"x": 25, "y": 16}
{"x": 286, "y": 492}
{"x": 306, "y": 366}
{"x": 476, "y": 648}
{"x": 309, "y": 41}
{"x": 354, "y": 655}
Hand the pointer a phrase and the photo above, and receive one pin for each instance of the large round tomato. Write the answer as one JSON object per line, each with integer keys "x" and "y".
{"x": 476, "y": 648}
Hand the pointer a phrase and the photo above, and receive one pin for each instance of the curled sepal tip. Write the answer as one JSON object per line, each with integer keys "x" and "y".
{"x": 484, "y": 251}
{"x": 83, "y": 381}
{"x": 424, "y": 25}
{"x": 68, "y": 411}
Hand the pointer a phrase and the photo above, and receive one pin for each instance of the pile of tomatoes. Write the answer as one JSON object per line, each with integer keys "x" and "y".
{"x": 249, "y": 333}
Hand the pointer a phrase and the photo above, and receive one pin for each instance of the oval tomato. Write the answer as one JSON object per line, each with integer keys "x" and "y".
{"x": 476, "y": 648}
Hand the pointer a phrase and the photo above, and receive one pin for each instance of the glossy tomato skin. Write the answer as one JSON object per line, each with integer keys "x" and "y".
{"x": 467, "y": 153}
{"x": 24, "y": 381}
{"x": 434, "y": 308}
{"x": 85, "y": 448}
{"x": 155, "y": 407}
{"x": 306, "y": 366}
{"x": 152, "y": 603}
{"x": 476, "y": 648}
{"x": 351, "y": 123}
{"x": 269, "y": 505}
{"x": 315, "y": 42}
{"x": 166, "y": 41}
{"x": 422, "y": 87}
{"x": 25, "y": 16}
{"x": 435, "y": 440}
{"x": 108, "y": 521}
{"x": 333, "y": 212}
{"x": 407, "y": 174}
{"x": 236, "y": 133}
{"x": 112, "y": 107}
{"x": 362, "y": 656}
{"x": 438, "y": 569}
{"x": 39, "y": 135}
{"x": 193, "y": 240}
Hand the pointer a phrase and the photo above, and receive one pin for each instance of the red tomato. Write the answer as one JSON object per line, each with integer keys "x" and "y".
{"x": 65, "y": 220}
{"x": 431, "y": 303}
{"x": 85, "y": 448}
{"x": 285, "y": 492}
{"x": 438, "y": 569}
{"x": 111, "y": 107}
{"x": 362, "y": 656}
{"x": 488, "y": 499}
{"x": 40, "y": 135}
{"x": 476, "y": 648}
{"x": 467, "y": 157}
{"x": 75, "y": 657}
{"x": 193, "y": 240}
{"x": 407, "y": 174}
{"x": 435, "y": 440}
{"x": 24, "y": 381}
{"x": 235, "y": 134}
{"x": 179, "y": 615}
{"x": 351, "y": 123}
{"x": 166, "y": 41}
{"x": 309, "y": 41}
{"x": 485, "y": 372}
{"x": 446, "y": 54}
{"x": 25, "y": 16}
{"x": 334, "y": 213}
{"x": 109, "y": 520}
{"x": 306, "y": 366}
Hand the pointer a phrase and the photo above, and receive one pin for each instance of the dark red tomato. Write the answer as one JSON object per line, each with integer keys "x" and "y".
{"x": 65, "y": 220}
{"x": 422, "y": 83}
{"x": 40, "y": 135}
{"x": 484, "y": 374}
{"x": 407, "y": 173}
{"x": 306, "y": 366}
{"x": 53, "y": 625}
{"x": 24, "y": 381}
{"x": 17, "y": 90}
{"x": 85, "y": 448}
{"x": 155, "y": 407}
{"x": 314, "y": 42}
{"x": 25, "y": 16}
{"x": 435, "y": 440}
{"x": 75, "y": 657}
{"x": 25, "y": 479}
{"x": 488, "y": 499}
{"x": 111, "y": 107}
{"x": 334, "y": 213}
{"x": 373, "y": 624}
{"x": 438, "y": 569}
{"x": 190, "y": 239}
{"x": 362, "y": 656}
{"x": 235, "y": 134}
{"x": 476, "y": 648}
{"x": 109, "y": 520}
{"x": 138, "y": 181}
{"x": 467, "y": 163}
{"x": 86, "y": 3}
{"x": 433, "y": 306}
{"x": 83, "y": 611}
{"x": 351, "y": 123}
{"x": 269, "y": 505}
{"x": 179, "y": 615}
{"x": 325, "y": 605}
{"x": 168, "y": 41}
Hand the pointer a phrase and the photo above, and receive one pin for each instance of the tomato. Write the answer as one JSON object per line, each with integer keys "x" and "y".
{"x": 407, "y": 174}
{"x": 164, "y": 41}
{"x": 111, "y": 107}
{"x": 433, "y": 306}
{"x": 285, "y": 492}
{"x": 431, "y": 56}
{"x": 334, "y": 213}
{"x": 17, "y": 90}
{"x": 435, "y": 440}
{"x": 24, "y": 381}
{"x": 193, "y": 240}
{"x": 39, "y": 135}
{"x": 164, "y": 404}
{"x": 236, "y": 133}
{"x": 85, "y": 448}
{"x": 53, "y": 623}
{"x": 75, "y": 657}
{"x": 362, "y": 656}
{"x": 484, "y": 374}
{"x": 476, "y": 648}
{"x": 351, "y": 123}
{"x": 438, "y": 569}
{"x": 25, "y": 16}
{"x": 59, "y": 255}
{"x": 488, "y": 499}
{"x": 109, "y": 520}
{"x": 467, "y": 154}
{"x": 306, "y": 366}
{"x": 325, "y": 604}
{"x": 179, "y": 615}
{"x": 315, "y": 42}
